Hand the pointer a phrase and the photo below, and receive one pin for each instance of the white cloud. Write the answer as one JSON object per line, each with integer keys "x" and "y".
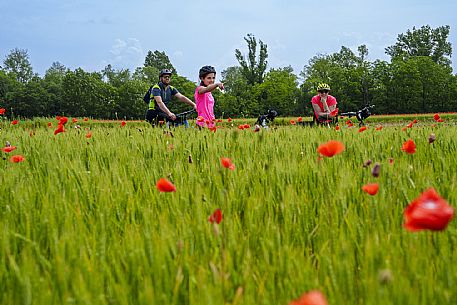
{"x": 126, "y": 54}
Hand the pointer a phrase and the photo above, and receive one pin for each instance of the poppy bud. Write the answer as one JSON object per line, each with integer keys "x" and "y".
{"x": 367, "y": 163}
{"x": 385, "y": 276}
{"x": 376, "y": 169}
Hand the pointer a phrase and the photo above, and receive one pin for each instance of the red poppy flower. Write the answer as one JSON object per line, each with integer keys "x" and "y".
{"x": 410, "y": 125}
{"x": 229, "y": 120}
{"x": 163, "y": 185}
{"x": 49, "y": 124}
{"x": 63, "y": 120}
{"x": 207, "y": 122}
{"x": 299, "y": 119}
{"x": 219, "y": 120}
{"x": 14, "y": 122}
{"x": 17, "y": 159}
{"x": 348, "y": 122}
{"x": 247, "y": 126}
{"x": 409, "y": 147}
{"x": 331, "y": 148}
{"x": 74, "y": 120}
{"x": 216, "y": 217}
{"x": 58, "y": 118}
{"x": 334, "y": 112}
{"x": 89, "y": 135}
{"x": 440, "y": 120}
{"x": 362, "y": 129}
{"x": 59, "y": 129}
{"x": 227, "y": 163}
{"x": 379, "y": 127}
{"x": 8, "y": 149}
{"x": 314, "y": 297}
{"x": 428, "y": 212}
{"x": 86, "y": 119}
{"x": 436, "y": 117}
{"x": 2, "y": 111}
{"x": 292, "y": 122}
{"x": 213, "y": 129}
{"x": 123, "y": 123}
{"x": 391, "y": 161}
{"x": 371, "y": 188}
{"x": 200, "y": 119}
{"x": 241, "y": 127}
{"x": 415, "y": 121}
{"x": 337, "y": 127}
{"x": 161, "y": 122}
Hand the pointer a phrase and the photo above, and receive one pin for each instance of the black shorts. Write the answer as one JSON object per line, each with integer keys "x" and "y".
{"x": 153, "y": 116}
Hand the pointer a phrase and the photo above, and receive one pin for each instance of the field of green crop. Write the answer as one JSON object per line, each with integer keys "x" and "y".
{"x": 82, "y": 221}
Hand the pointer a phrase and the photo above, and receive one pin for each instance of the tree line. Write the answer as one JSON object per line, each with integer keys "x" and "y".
{"x": 418, "y": 79}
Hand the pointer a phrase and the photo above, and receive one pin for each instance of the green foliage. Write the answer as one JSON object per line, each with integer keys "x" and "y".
{"x": 148, "y": 75}
{"x": 18, "y": 64}
{"x": 85, "y": 94}
{"x": 240, "y": 99}
{"x": 252, "y": 69}
{"x": 418, "y": 79}
{"x": 279, "y": 91}
{"x": 425, "y": 41}
{"x": 158, "y": 60}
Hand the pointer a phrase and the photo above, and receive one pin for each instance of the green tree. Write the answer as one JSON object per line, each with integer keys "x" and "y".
{"x": 252, "y": 69}
{"x": 114, "y": 77}
{"x": 239, "y": 98}
{"x": 18, "y": 64}
{"x": 158, "y": 60}
{"x": 381, "y": 73}
{"x": 85, "y": 94}
{"x": 423, "y": 42}
{"x": 53, "y": 83}
{"x": 149, "y": 75}
{"x": 8, "y": 86}
{"x": 342, "y": 71}
{"x": 280, "y": 92}
{"x": 129, "y": 100}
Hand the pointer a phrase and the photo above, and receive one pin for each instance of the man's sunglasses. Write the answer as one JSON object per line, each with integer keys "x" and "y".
{"x": 323, "y": 91}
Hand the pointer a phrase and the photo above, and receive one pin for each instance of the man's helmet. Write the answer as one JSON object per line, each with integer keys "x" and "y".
{"x": 206, "y": 70}
{"x": 165, "y": 72}
{"x": 323, "y": 86}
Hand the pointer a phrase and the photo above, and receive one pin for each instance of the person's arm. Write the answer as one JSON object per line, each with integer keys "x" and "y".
{"x": 320, "y": 114}
{"x": 186, "y": 100}
{"x": 203, "y": 89}
{"x": 164, "y": 108}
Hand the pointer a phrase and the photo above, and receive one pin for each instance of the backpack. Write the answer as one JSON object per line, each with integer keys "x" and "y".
{"x": 147, "y": 96}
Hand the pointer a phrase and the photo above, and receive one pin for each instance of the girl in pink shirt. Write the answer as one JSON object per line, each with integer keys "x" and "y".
{"x": 204, "y": 99}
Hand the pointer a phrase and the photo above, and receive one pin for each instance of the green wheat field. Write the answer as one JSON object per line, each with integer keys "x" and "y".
{"x": 82, "y": 222}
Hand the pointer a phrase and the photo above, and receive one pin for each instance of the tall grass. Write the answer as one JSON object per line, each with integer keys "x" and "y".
{"x": 83, "y": 223}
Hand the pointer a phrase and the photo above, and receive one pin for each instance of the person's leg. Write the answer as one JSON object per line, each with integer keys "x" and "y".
{"x": 151, "y": 117}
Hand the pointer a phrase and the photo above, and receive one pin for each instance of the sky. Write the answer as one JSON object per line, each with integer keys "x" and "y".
{"x": 93, "y": 34}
